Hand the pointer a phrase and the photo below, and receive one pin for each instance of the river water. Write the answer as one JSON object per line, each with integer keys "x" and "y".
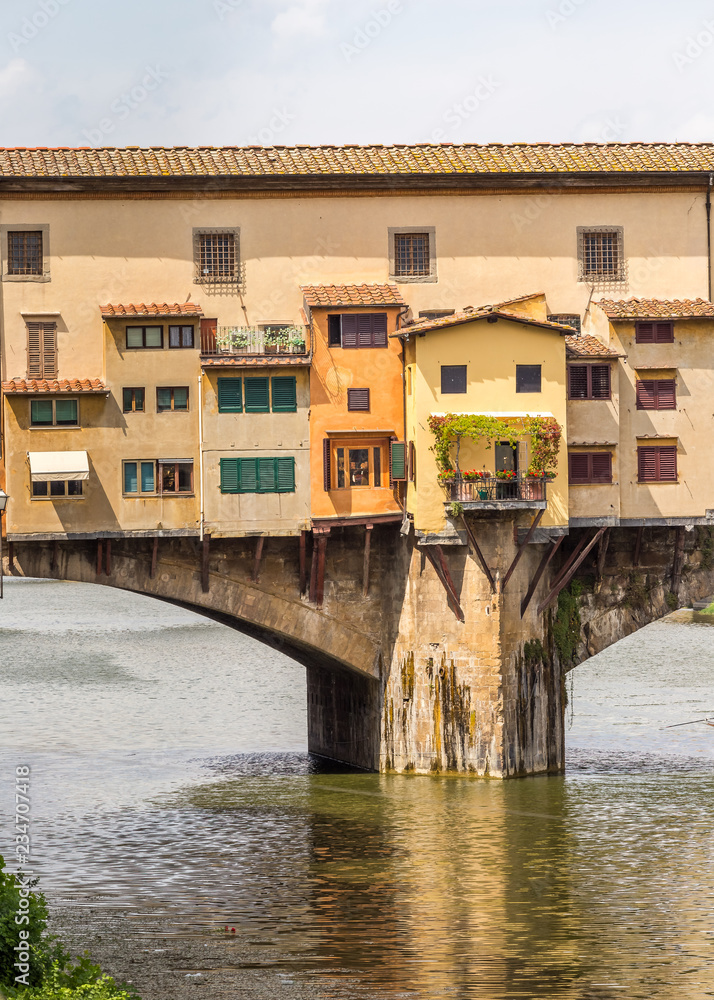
{"x": 185, "y": 836}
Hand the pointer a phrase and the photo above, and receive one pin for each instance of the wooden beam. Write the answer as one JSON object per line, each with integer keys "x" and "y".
{"x": 638, "y": 548}
{"x": 542, "y": 566}
{"x": 479, "y": 555}
{"x": 205, "y": 552}
{"x": 678, "y": 559}
{"x": 438, "y": 561}
{"x": 572, "y": 568}
{"x": 571, "y": 558}
{"x": 108, "y": 559}
{"x": 55, "y": 556}
{"x": 255, "y": 577}
{"x": 313, "y": 570}
{"x": 321, "y": 547}
{"x": 303, "y": 561}
{"x": 365, "y": 564}
{"x": 602, "y": 553}
{"x": 11, "y": 556}
{"x": 154, "y": 558}
{"x": 522, "y": 547}
{"x": 99, "y": 557}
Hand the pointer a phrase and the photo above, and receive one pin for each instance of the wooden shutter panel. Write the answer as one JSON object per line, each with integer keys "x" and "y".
{"x": 601, "y": 467}
{"x": 663, "y": 333}
{"x": 358, "y": 399}
{"x": 266, "y": 475}
{"x": 667, "y": 394}
{"x": 646, "y": 395}
{"x": 349, "y": 330}
{"x": 579, "y": 467}
{"x": 667, "y": 463}
{"x": 49, "y": 350}
{"x": 230, "y": 397}
{"x": 364, "y": 329}
{"x": 284, "y": 389}
{"x": 247, "y": 475}
{"x": 208, "y": 336}
{"x": 644, "y": 333}
{"x": 600, "y": 381}
{"x": 397, "y": 461}
{"x": 578, "y": 381}
{"x": 379, "y": 330}
{"x": 647, "y": 464}
{"x": 285, "y": 475}
{"x": 326, "y": 465}
{"x": 257, "y": 395}
{"x": 34, "y": 350}
{"x": 411, "y": 463}
{"x": 229, "y": 475}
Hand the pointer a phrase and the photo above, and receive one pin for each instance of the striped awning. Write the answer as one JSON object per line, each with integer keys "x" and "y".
{"x": 53, "y": 466}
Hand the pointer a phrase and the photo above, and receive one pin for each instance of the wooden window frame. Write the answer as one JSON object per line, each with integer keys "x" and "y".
{"x": 181, "y": 327}
{"x": 139, "y": 492}
{"x": 589, "y": 381}
{"x": 656, "y": 451}
{"x": 355, "y": 444}
{"x": 172, "y": 408}
{"x": 144, "y": 327}
{"x": 78, "y": 484}
{"x": 462, "y": 369}
{"x": 42, "y": 361}
{"x": 591, "y": 478}
{"x": 531, "y": 392}
{"x": 54, "y": 425}
{"x": 160, "y": 466}
{"x": 654, "y": 332}
{"x": 356, "y": 339}
{"x": 133, "y": 389}
{"x": 656, "y": 394}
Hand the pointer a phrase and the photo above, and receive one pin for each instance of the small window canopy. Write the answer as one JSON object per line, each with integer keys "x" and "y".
{"x": 53, "y": 466}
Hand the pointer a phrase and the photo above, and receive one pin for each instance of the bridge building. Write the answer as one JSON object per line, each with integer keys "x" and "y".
{"x": 220, "y": 370}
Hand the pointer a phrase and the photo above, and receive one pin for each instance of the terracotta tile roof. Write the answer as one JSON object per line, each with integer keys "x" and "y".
{"x": 254, "y": 361}
{"x": 424, "y": 159}
{"x": 657, "y": 308}
{"x": 469, "y": 315}
{"x": 139, "y": 309}
{"x": 332, "y": 296}
{"x": 54, "y": 386}
{"x": 586, "y": 346}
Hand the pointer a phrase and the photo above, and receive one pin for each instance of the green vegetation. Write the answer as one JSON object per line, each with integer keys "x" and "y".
{"x": 545, "y": 436}
{"x": 33, "y": 964}
{"x": 705, "y": 544}
{"x": 637, "y": 592}
{"x": 672, "y": 601}
{"x": 534, "y": 653}
{"x": 566, "y": 623}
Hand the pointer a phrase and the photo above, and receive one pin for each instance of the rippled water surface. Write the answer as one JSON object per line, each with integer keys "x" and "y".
{"x": 173, "y": 797}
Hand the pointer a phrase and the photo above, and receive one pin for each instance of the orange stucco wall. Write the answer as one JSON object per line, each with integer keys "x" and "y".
{"x": 334, "y": 371}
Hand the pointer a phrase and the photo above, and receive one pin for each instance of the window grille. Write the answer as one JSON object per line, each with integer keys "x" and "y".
{"x": 566, "y": 319}
{"x": 24, "y": 253}
{"x": 601, "y": 257}
{"x": 217, "y": 257}
{"x": 411, "y": 255}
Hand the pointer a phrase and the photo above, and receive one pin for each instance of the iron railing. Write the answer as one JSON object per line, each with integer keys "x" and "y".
{"x": 494, "y": 490}
{"x": 247, "y": 340}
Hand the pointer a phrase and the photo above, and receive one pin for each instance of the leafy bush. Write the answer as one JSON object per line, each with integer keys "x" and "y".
{"x": 566, "y": 624}
{"x": 103, "y": 989}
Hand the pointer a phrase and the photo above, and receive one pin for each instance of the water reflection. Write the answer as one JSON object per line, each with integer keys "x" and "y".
{"x": 344, "y": 884}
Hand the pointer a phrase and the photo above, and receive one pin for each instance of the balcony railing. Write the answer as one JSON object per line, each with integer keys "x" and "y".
{"x": 247, "y": 340}
{"x": 492, "y": 490}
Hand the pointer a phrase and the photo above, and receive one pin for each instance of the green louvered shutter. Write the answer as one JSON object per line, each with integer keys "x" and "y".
{"x": 247, "y": 475}
{"x": 266, "y": 475}
{"x": 284, "y": 393}
{"x": 257, "y": 395}
{"x": 230, "y": 399}
{"x": 285, "y": 474}
{"x": 229, "y": 475}
{"x": 397, "y": 461}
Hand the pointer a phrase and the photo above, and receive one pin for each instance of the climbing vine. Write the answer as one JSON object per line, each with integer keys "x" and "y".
{"x": 566, "y": 623}
{"x": 449, "y": 430}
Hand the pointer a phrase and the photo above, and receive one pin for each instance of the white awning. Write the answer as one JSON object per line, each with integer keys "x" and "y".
{"x": 51, "y": 466}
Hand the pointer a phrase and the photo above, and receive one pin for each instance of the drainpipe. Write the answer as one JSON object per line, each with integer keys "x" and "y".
{"x": 200, "y": 455}
{"x": 709, "y": 235}
{"x": 404, "y": 404}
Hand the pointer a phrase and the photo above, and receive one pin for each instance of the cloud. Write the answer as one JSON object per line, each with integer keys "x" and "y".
{"x": 304, "y": 17}
{"x": 17, "y": 73}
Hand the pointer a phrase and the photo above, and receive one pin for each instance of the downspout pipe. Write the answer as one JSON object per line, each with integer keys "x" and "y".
{"x": 709, "y": 236}
{"x": 200, "y": 456}
{"x": 403, "y": 341}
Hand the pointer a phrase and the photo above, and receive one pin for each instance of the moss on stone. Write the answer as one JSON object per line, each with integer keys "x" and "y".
{"x": 566, "y": 623}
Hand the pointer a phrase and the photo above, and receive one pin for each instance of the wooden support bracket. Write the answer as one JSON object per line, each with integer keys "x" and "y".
{"x": 570, "y": 569}
{"x": 638, "y": 548}
{"x": 154, "y": 558}
{"x": 479, "y": 555}
{"x": 108, "y": 559}
{"x": 321, "y": 552}
{"x": 678, "y": 559}
{"x": 542, "y": 566}
{"x": 303, "y": 562}
{"x": 571, "y": 558}
{"x": 205, "y": 552}
{"x": 255, "y": 577}
{"x": 55, "y": 556}
{"x": 602, "y": 553}
{"x": 11, "y": 556}
{"x": 522, "y": 548}
{"x": 365, "y": 565}
{"x": 435, "y": 555}
{"x": 313, "y": 571}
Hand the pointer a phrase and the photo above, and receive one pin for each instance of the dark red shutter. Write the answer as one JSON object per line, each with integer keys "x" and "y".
{"x": 326, "y": 465}
{"x": 667, "y": 394}
{"x": 646, "y": 395}
{"x": 579, "y": 467}
{"x": 663, "y": 333}
{"x": 667, "y": 463}
{"x": 644, "y": 333}
{"x": 358, "y": 399}
{"x": 379, "y": 330}
{"x": 600, "y": 381}
{"x": 364, "y": 330}
{"x": 208, "y": 336}
{"x": 601, "y": 467}
{"x": 349, "y": 330}
{"x": 647, "y": 464}
{"x": 578, "y": 381}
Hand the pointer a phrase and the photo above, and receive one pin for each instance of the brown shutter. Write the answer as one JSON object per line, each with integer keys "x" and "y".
{"x": 667, "y": 394}
{"x": 411, "y": 463}
{"x": 601, "y": 467}
{"x": 49, "y": 350}
{"x": 663, "y": 333}
{"x": 208, "y": 336}
{"x": 379, "y": 330}
{"x": 34, "y": 350}
{"x": 579, "y": 467}
{"x": 646, "y": 395}
{"x": 326, "y": 465}
{"x": 364, "y": 329}
{"x": 667, "y": 463}
{"x": 349, "y": 330}
{"x": 647, "y": 465}
{"x": 358, "y": 399}
{"x": 578, "y": 381}
{"x": 600, "y": 381}
{"x": 644, "y": 333}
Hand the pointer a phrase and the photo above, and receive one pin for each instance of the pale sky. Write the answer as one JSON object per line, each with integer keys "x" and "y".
{"x": 282, "y": 72}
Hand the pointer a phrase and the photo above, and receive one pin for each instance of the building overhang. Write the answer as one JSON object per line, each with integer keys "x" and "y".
{"x": 55, "y": 387}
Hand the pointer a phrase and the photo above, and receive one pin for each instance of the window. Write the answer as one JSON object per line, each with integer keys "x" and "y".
{"x": 284, "y": 393}
{"x": 657, "y": 464}
{"x": 397, "y": 461}
{"x": 257, "y": 395}
{"x": 528, "y": 378}
{"x": 181, "y": 336}
{"x": 258, "y": 391}
{"x": 453, "y": 378}
{"x": 230, "y": 395}
{"x": 54, "y": 413}
{"x": 654, "y": 333}
{"x": 175, "y": 476}
{"x": 24, "y": 252}
{"x": 42, "y": 350}
{"x": 588, "y": 381}
{"x": 216, "y": 256}
{"x": 133, "y": 400}
{"x": 144, "y": 336}
{"x": 258, "y": 475}
{"x": 357, "y": 330}
{"x": 656, "y": 394}
{"x": 601, "y": 254}
{"x": 353, "y": 464}
{"x": 171, "y": 398}
{"x": 566, "y": 319}
{"x": 590, "y": 467}
{"x": 139, "y": 478}
{"x": 412, "y": 254}
{"x": 358, "y": 399}
{"x": 57, "y": 488}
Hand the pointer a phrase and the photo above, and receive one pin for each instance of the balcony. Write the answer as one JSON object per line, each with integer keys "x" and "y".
{"x": 493, "y": 493}
{"x": 240, "y": 344}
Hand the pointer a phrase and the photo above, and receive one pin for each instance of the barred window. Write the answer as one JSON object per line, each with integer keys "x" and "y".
{"x": 601, "y": 255}
{"x": 217, "y": 256}
{"x": 566, "y": 319}
{"x": 411, "y": 254}
{"x": 24, "y": 253}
